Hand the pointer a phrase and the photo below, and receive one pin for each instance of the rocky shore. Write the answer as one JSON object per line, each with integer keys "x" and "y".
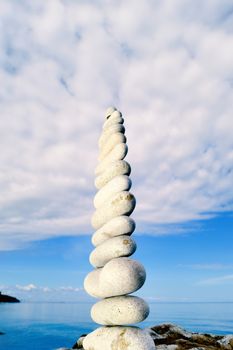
{"x": 8, "y": 299}
{"x": 172, "y": 337}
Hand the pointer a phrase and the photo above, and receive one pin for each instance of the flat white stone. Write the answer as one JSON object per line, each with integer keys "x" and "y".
{"x": 112, "y": 248}
{"x": 119, "y": 167}
{"x": 111, "y": 143}
{"x": 119, "y": 276}
{"x": 109, "y": 111}
{"x": 121, "y": 225}
{"x": 112, "y": 121}
{"x": 118, "y": 338}
{"x": 122, "y": 203}
{"x": 117, "y": 153}
{"x": 110, "y": 131}
{"x": 122, "y": 310}
{"x": 117, "y": 184}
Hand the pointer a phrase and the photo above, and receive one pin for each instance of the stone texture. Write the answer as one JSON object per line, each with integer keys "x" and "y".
{"x": 112, "y": 121}
{"x": 118, "y": 338}
{"x": 121, "y": 203}
{"x": 120, "y": 167}
{"x": 117, "y": 153}
{"x": 122, "y": 310}
{"x": 116, "y": 227}
{"x": 172, "y": 337}
{"x": 114, "y": 140}
{"x": 116, "y": 113}
{"x": 119, "y": 276}
{"x": 112, "y": 248}
{"x": 166, "y": 336}
{"x": 110, "y": 111}
{"x": 109, "y": 132}
{"x": 117, "y": 184}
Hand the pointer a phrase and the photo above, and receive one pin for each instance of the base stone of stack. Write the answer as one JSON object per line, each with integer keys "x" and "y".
{"x": 118, "y": 338}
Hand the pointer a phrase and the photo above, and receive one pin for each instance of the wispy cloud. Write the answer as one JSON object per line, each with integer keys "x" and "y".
{"x": 32, "y": 292}
{"x": 217, "y": 280}
{"x": 167, "y": 65}
{"x": 206, "y": 266}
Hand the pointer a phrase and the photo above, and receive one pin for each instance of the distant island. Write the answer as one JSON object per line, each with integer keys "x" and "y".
{"x": 8, "y": 299}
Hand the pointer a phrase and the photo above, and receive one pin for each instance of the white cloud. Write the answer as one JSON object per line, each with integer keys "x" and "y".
{"x": 167, "y": 65}
{"x": 26, "y": 288}
{"x": 210, "y": 266}
{"x": 31, "y": 292}
{"x": 217, "y": 280}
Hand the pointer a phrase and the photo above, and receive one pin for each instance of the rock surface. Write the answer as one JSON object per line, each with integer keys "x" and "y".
{"x": 118, "y": 184}
{"x": 118, "y": 277}
{"x": 113, "y": 248}
{"x": 121, "y": 203}
{"x": 171, "y": 337}
{"x": 8, "y": 299}
{"x": 118, "y": 338}
{"x": 120, "y": 311}
{"x": 120, "y": 167}
{"x": 167, "y": 335}
{"x": 121, "y": 225}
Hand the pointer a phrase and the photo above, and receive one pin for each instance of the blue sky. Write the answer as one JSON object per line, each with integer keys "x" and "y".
{"x": 187, "y": 267}
{"x": 168, "y": 66}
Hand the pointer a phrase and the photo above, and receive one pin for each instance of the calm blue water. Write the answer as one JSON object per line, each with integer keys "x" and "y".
{"x": 47, "y": 326}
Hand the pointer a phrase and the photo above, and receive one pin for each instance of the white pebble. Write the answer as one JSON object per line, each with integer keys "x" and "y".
{"x": 112, "y": 248}
{"x": 119, "y": 276}
{"x": 117, "y": 184}
{"x": 118, "y": 311}
{"x": 111, "y": 143}
{"x": 109, "y": 111}
{"x": 118, "y": 338}
{"x": 121, "y": 225}
{"x": 109, "y": 132}
{"x": 119, "y": 167}
{"x": 122, "y": 203}
{"x": 117, "y": 153}
{"x": 112, "y": 121}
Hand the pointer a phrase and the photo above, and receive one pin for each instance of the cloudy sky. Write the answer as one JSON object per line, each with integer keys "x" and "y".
{"x": 168, "y": 66}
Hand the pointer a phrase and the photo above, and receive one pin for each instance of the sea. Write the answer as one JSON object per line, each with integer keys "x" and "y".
{"x": 50, "y": 326}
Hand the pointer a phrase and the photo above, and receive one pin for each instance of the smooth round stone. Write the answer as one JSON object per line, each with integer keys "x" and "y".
{"x": 117, "y": 153}
{"x": 112, "y": 121}
{"x": 119, "y": 276}
{"x": 119, "y": 167}
{"x": 115, "y": 247}
{"x": 109, "y": 111}
{"x": 118, "y": 311}
{"x": 111, "y": 143}
{"x": 117, "y": 184}
{"x": 116, "y": 113}
{"x": 107, "y": 133}
{"x": 122, "y": 203}
{"x": 118, "y": 338}
{"x": 121, "y": 225}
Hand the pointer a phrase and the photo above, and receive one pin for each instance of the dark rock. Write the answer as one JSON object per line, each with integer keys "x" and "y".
{"x": 8, "y": 299}
{"x": 1, "y": 333}
{"x": 171, "y": 337}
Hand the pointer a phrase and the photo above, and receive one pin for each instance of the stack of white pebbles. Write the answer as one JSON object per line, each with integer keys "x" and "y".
{"x": 115, "y": 275}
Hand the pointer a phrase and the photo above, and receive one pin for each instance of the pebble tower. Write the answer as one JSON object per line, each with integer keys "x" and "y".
{"x": 115, "y": 275}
